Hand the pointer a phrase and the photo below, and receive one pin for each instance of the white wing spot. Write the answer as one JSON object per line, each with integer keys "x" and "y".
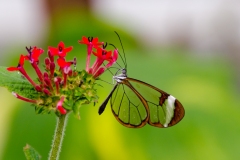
{"x": 169, "y": 110}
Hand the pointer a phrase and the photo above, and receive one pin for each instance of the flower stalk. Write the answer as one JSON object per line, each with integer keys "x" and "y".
{"x": 58, "y": 137}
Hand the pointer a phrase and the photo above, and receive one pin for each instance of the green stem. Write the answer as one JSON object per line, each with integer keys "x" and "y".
{"x": 58, "y": 137}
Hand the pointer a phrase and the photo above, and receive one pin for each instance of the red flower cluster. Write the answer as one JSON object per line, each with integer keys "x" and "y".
{"x": 102, "y": 55}
{"x": 45, "y": 78}
{"x": 51, "y": 83}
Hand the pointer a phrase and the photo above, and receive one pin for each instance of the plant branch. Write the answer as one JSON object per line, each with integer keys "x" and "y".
{"x": 58, "y": 137}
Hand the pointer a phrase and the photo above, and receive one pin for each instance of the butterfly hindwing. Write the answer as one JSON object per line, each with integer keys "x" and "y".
{"x": 128, "y": 107}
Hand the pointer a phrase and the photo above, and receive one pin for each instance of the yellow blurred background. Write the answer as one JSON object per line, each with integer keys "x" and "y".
{"x": 188, "y": 49}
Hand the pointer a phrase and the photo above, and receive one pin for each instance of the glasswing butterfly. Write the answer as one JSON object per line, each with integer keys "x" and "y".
{"x": 135, "y": 103}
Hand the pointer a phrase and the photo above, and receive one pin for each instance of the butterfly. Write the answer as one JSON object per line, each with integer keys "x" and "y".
{"x": 135, "y": 103}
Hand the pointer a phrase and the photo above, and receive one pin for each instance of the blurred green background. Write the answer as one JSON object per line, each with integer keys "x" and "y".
{"x": 206, "y": 85}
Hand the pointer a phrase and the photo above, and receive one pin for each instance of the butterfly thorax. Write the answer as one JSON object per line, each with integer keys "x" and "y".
{"x": 120, "y": 77}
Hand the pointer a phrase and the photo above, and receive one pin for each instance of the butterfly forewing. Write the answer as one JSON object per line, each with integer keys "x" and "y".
{"x": 163, "y": 109}
{"x": 128, "y": 107}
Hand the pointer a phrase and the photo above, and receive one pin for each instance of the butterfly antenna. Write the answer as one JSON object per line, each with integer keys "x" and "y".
{"x": 118, "y": 65}
{"x": 108, "y": 69}
{"x": 119, "y": 55}
{"x": 114, "y": 68}
{"x": 105, "y": 82}
{"x": 125, "y": 60}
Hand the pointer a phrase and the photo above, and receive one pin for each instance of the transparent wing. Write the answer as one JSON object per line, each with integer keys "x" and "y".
{"x": 163, "y": 109}
{"x": 128, "y": 107}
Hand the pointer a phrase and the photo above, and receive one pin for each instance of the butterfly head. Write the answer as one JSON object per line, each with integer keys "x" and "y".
{"x": 121, "y": 76}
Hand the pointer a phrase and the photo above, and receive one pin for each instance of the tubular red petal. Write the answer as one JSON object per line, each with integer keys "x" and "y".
{"x": 110, "y": 63}
{"x": 84, "y": 40}
{"x": 115, "y": 55}
{"x": 21, "y": 60}
{"x": 24, "y": 98}
{"x": 12, "y": 69}
{"x": 60, "y": 46}
{"x": 27, "y": 58}
{"x": 53, "y": 51}
{"x": 95, "y": 41}
{"x": 90, "y": 71}
{"x": 38, "y": 71}
{"x": 107, "y": 55}
{"x": 36, "y": 53}
{"x": 99, "y": 72}
{"x": 68, "y": 49}
{"x": 95, "y": 53}
{"x": 62, "y": 63}
{"x": 96, "y": 64}
{"x": 98, "y": 53}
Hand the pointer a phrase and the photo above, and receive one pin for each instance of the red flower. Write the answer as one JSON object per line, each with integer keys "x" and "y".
{"x": 103, "y": 55}
{"x": 33, "y": 56}
{"x": 90, "y": 42}
{"x": 60, "y": 51}
{"x": 22, "y": 70}
{"x": 65, "y": 67}
{"x": 19, "y": 66}
{"x": 62, "y": 63}
{"x": 113, "y": 58}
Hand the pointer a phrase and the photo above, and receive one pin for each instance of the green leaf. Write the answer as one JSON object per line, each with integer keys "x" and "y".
{"x": 31, "y": 153}
{"x": 14, "y": 82}
{"x": 76, "y": 108}
{"x": 68, "y": 104}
